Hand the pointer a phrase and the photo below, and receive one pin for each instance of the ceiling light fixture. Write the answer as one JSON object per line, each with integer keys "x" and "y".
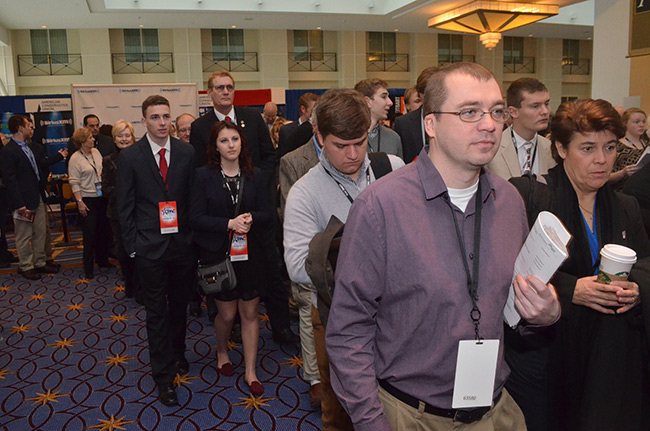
{"x": 490, "y": 18}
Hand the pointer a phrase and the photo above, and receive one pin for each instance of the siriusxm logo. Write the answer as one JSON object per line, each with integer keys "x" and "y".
{"x": 88, "y": 91}
{"x": 170, "y": 90}
{"x": 129, "y": 90}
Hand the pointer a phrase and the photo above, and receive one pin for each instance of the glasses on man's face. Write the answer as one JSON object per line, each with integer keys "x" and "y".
{"x": 184, "y": 130}
{"x": 220, "y": 88}
{"x": 473, "y": 115}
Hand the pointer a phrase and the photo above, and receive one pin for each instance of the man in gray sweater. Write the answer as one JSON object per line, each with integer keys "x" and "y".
{"x": 328, "y": 189}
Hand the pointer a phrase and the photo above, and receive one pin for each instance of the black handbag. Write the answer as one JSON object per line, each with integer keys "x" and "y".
{"x": 216, "y": 278}
{"x": 219, "y": 277}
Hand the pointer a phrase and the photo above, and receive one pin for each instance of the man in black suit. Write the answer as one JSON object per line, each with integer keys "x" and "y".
{"x": 410, "y": 127}
{"x": 154, "y": 180}
{"x": 26, "y": 193}
{"x": 305, "y": 106}
{"x": 221, "y": 89}
{"x": 103, "y": 143}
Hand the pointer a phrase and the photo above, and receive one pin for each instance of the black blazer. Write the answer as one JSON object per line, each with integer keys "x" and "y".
{"x": 284, "y": 133}
{"x": 257, "y": 135}
{"x": 299, "y": 137}
{"x": 23, "y": 186}
{"x": 638, "y": 185}
{"x": 210, "y": 215}
{"x": 409, "y": 129}
{"x": 139, "y": 190}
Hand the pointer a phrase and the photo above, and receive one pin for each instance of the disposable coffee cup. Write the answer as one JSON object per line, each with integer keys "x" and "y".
{"x": 616, "y": 262}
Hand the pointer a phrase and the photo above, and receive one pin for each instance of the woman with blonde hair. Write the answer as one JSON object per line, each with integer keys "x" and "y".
{"x": 123, "y": 136}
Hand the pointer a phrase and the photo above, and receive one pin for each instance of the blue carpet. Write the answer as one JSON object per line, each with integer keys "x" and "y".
{"x": 75, "y": 357}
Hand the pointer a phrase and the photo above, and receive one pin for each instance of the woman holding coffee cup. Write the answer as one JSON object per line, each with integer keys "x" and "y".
{"x": 591, "y": 369}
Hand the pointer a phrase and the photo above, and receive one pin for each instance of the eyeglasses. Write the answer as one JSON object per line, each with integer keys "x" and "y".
{"x": 473, "y": 115}
{"x": 220, "y": 88}
{"x": 185, "y": 130}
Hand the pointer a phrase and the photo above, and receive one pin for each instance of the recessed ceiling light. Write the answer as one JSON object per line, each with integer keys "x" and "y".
{"x": 233, "y": 26}
{"x": 396, "y": 29}
{"x": 43, "y": 26}
{"x": 530, "y": 35}
{"x": 318, "y": 28}
{"x": 141, "y": 25}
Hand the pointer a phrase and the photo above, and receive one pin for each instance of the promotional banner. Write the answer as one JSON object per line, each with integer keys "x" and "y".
{"x": 112, "y": 102}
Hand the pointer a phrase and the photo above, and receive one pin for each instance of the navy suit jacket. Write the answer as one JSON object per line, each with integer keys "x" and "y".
{"x": 139, "y": 190}
{"x": 252, "y": 124}
{"x": 409, "y": 129}
{"x": 23, "y": 186}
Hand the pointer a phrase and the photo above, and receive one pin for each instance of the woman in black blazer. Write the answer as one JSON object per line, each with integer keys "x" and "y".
{"x": 214, "y": 222}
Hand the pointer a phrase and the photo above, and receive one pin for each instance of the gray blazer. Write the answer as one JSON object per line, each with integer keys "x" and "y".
{"x": 292, "y": 167}
{"x": 506, "y": 163}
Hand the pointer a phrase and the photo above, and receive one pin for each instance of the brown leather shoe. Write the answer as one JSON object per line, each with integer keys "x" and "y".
{"x": 315, "y": 394}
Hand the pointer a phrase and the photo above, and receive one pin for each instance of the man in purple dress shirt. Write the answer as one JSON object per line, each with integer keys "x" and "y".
{"x": 424, "y": 271}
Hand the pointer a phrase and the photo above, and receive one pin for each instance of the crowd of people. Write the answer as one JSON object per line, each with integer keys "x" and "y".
{"x": 396, "y": 245}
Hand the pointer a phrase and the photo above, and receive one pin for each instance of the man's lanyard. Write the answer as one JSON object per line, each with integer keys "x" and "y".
{"x": 343, "y": 189}
{"x": 91, "y": 162}
{"x": 473, "y": 277}
{"x": 514, "y": 141}
{"x": 378, "y": 139}
{"x": 233, "y": 197}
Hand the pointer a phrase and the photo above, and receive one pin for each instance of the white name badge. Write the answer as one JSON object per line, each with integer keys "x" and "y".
{"x": 476, "y": 370}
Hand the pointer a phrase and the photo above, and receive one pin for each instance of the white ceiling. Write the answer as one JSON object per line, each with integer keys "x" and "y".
{"x": 574, "y": 22}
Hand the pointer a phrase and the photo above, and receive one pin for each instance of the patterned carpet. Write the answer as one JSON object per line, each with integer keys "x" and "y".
{"x": 74, "y": 357}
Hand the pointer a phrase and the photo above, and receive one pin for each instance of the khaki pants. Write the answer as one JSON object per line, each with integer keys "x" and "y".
{"x": 504, "y": 416}
{"x": 30, "y": 240}
{"x": 333, "y": 415}
{"x": 302, "y": 294}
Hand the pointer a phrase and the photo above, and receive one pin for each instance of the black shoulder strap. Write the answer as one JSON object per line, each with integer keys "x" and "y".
{"x": 380, "y": 164}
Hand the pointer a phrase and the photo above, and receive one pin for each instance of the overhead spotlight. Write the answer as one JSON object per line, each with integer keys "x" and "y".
{"x": 371, "y": 4}
{"x": 260, "y": 1}
{"x": 316, "y": 2}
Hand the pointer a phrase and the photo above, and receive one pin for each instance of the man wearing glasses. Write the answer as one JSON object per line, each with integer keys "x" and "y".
{"x": 183, "y": 127}
{"x": 415, "y": 333}
{"x": 522, "y": 150}
{"x": 221, "y": 89}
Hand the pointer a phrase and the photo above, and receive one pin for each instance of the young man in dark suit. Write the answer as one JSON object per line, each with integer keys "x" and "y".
{"x": 21, "y": 174}
{"x": 154, "y": 181}
{"x": 410, "y": 127}
{"x": 221, "y": 89}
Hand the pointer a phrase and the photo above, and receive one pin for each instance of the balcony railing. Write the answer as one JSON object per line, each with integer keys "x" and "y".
{"x": 518, "y": 64}
{"x": 230, "y": 61}
{"x": 150, "y": 62}
{"x": 50, "y": 64}
{"x": 382, "y": 62}
{"x": 576, "y": 66}
{"x": 312, "y": 62}
{"x": 454, "y": 58}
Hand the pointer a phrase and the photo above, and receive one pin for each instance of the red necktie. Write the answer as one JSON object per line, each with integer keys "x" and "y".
{"x": 163, "y": 165}
{"x": 227, "y": 119}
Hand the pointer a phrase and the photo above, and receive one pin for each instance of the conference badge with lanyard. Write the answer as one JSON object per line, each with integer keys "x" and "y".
{"x": 98, "y": 182}
{"x": 477, "y": 359}
{"x": 239, "y": 242}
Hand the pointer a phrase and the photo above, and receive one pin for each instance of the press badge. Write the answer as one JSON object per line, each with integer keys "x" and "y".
{"x": 476, "y": 369}
{"x": 239, "y": 248}
{"x": 168, "y": 217}
{"x": 98, "y": 188}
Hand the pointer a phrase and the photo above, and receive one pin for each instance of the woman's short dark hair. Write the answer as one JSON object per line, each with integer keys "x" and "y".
{"x": 214, "y": 157}
{"x": 583, "y": 116}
